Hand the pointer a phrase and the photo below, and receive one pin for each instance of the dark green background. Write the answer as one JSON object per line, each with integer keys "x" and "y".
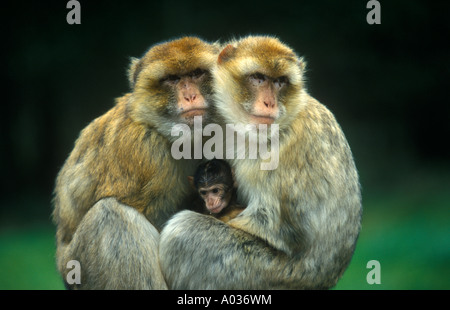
{"x": 387, "y": 85}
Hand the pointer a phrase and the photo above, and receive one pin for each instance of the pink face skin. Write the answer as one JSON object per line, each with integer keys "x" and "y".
{"x": 215, "y": 197}
{"x": 265, "y": 108}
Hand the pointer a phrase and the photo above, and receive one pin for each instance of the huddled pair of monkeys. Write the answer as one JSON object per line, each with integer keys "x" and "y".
{"x": 120, "y": 198}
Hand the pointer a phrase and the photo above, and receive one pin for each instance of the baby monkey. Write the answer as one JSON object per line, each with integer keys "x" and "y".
{"x": 214, "y": 182}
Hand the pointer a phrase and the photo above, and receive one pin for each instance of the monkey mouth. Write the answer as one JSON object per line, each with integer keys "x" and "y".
{"x": 216, "y": 209}
{"x": 193, "y": 112}
{"x": 262, "y": 119}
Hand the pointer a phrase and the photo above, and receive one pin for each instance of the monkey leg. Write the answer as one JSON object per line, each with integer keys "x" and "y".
{"x": 201, "y": 252}
{"x": 117, "y": 248}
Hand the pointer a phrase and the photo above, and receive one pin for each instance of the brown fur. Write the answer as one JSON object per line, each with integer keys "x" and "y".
{"x": 231, "y": 212}
{"x": 121, "y": 163}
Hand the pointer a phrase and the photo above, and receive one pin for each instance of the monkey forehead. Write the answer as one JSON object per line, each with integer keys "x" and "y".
{"x": 266, "y": 55}
{"x": 274, "y": 67}
{"x": 265, "y": 47}
{"x": 208, "y": 187}
{"x": 180, "y": 57}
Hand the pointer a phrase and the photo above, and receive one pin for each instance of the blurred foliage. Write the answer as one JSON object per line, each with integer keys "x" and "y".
{"x": 386, "y": 84}
{"x": 27, "y": 257}
{"x": 409, "y": 235}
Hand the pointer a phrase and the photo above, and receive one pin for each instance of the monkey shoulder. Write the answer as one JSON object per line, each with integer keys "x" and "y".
{"x": 314, "y": 115}
{"x": 118, "y": 157}
{"x": 316, "y": 127}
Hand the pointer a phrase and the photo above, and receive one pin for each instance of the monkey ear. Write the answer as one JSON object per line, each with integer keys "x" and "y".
{"x": 226, "y": 53}
{"x": 217, "y": 46}
{"x": 191, "y": 181}
{"x": 133, "y": 71}
{"x": 302, "y": 64}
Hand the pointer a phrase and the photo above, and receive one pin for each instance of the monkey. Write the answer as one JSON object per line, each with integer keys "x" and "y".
{"x": 302, "y": 220}
{"x": 120, "y": 183}
{"x": 214, "y": 183}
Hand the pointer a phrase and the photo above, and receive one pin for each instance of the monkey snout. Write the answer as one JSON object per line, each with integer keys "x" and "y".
{"x": 214, "y": 206}
{"x": 211, "y": 204}
{"x": 190, "y": 97}
{"x": 270, "y": 104}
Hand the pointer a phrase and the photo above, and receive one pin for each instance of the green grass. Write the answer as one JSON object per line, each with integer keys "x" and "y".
{"x": 27, "y": 259}
{"x": 410, "y": 237}
{"x": 409, "y": 234}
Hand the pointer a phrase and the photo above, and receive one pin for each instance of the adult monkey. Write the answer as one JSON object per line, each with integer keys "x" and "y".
{"x": 120, "y": 184}
{"x": 302, "y": 219}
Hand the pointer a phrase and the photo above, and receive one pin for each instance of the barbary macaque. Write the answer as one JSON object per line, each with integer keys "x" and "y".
{"x": 120, "y": 184}
{"x": 302, "y": 219}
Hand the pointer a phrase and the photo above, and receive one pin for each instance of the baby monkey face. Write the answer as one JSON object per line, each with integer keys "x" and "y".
{"x": 216, "y": 197}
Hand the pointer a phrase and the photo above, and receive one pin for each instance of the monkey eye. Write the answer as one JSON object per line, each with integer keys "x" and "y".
{"x": 171, "y": 78}
{"x": 280, "y": 82}
{"x": 197, "y": 73}
{"x": 215, "y": 190}
{"x": 257, "y": 78}
{"x": 203, "y": 193}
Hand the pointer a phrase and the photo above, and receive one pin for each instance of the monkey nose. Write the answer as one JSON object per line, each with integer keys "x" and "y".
{"x": 190, "y": 97}
{"x": 269, "y": 104}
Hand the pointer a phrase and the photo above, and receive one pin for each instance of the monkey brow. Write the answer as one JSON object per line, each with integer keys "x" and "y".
{"x": 214, "y": 186}
{"x": 208, "y": 181}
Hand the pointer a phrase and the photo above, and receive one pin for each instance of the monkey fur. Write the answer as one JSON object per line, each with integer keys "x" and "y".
{"x": 302, "y": 219}
{"x": 120, "y": 184}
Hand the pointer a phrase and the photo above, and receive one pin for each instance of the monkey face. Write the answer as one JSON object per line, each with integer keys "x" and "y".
{"x": 265, "y": 93}
{"x": 172, "y": 83}
{"x": 187, "y": 94}
{"x": 258, "y": 80}
{"x": 216, "y": 197}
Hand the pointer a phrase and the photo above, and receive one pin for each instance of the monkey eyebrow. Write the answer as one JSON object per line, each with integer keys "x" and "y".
{"x": 258, "y": 75}
{"x": 215, "y": 186}
{"x": 170, "y": 78}
{"x": 197, "y": 72}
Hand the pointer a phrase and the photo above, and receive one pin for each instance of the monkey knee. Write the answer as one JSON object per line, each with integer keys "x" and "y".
{"x": 117, "y": 248}
{"x": 189, "y": 230}
{"x": 184, "y": 229}
{"x": 176, "y": 225}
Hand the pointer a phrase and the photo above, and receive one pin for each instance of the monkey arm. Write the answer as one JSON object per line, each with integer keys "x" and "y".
{"x": 199, "y": 252}
{"x": 235, "y": 211}
{"x": 213, "y": 255}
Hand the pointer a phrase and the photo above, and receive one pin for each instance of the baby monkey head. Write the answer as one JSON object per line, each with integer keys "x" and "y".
{"x": 215, "y": 184}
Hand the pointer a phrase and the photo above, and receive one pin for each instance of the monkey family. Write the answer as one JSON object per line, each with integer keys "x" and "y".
{"x": 122, "y": 204}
